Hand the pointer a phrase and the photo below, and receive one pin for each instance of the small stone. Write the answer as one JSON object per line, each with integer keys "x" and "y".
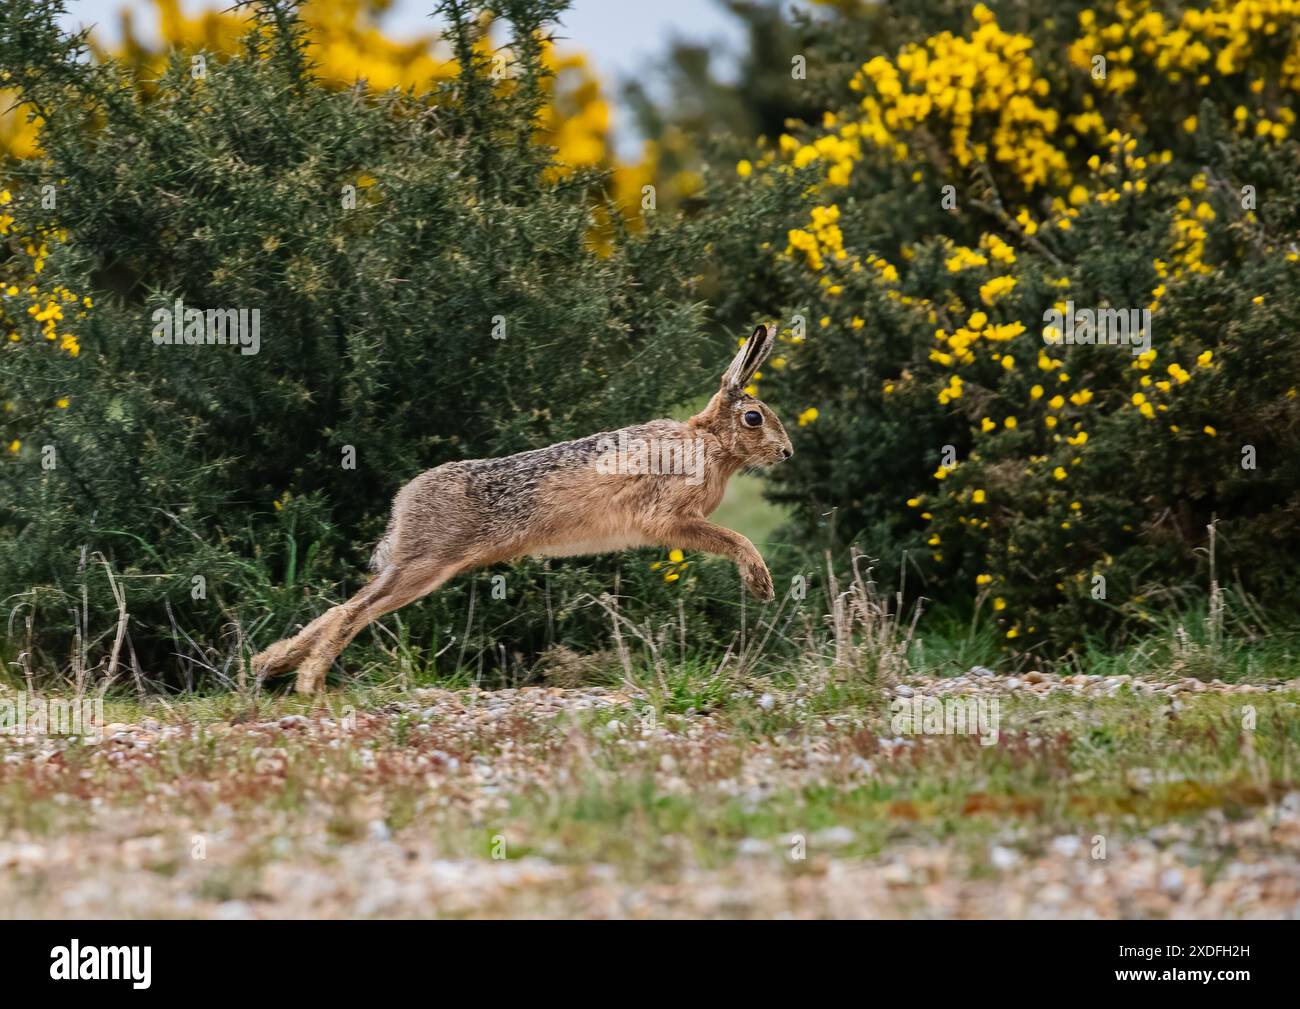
{"x": 767, "y": 702}
{"x": 1172, "y": 881}
{"x": 903, "y": 690}
{"x": 897, "y": 874}
{"x": 1034, "y": 676}
{"x": 833, "y": 837}
{"x": 1003, "y": 858}
{"x": 292, "y": 721}
{"x": 980, "y": 671}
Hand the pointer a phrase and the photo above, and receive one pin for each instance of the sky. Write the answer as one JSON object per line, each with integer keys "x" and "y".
{"x": 620, "y": 37}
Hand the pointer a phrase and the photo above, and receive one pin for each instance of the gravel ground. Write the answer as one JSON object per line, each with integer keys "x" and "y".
{"x": 478, "y": 804}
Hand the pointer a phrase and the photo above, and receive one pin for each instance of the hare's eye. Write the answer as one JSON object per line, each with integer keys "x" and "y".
{"x": 753, "y": 418}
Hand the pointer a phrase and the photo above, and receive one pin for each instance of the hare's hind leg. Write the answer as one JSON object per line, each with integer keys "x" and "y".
{"x": 288, "y": 652}
{"x": 392, "y": 589}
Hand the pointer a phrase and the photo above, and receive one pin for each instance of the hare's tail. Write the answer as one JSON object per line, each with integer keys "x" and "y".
{"x": 383, "y": 553}
{"x": 382, "y": 556}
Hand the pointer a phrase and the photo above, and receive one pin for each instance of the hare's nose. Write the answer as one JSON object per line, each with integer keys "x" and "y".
{"x": 786, "y": 453}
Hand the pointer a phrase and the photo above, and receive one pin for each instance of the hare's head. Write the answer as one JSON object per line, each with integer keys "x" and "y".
{"x": 744, "y": 424}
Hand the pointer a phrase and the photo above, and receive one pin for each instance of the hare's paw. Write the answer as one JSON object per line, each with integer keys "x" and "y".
{"x": 759, "y": 582}
{"x": 270, "y": 661}
{"x": 311, "y": 676}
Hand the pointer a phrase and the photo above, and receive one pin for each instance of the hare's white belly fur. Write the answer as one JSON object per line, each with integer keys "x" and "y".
{"x": 598, "y": 543}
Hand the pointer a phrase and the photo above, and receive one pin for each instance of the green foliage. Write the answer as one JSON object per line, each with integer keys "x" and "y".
{"x": 388, "y": 240}
{"x": 1121, "y": 478}
{"x": 428, "y": 291}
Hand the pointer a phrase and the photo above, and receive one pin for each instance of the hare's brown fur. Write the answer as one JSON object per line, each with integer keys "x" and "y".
{"x": 555, "y": 501}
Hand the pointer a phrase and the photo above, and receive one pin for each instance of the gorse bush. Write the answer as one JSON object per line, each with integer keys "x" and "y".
{"x": 426, "y": 288}
{"x": 348, "y": 43}
{"x": 974, "y": 181}
{"x": 436, "y": 275}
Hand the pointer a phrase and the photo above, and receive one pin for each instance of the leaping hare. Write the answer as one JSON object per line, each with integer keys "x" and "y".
{"x": 648, "y": 485}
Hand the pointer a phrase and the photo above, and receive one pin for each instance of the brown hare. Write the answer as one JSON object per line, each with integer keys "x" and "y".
{"x": 648, "y": 485}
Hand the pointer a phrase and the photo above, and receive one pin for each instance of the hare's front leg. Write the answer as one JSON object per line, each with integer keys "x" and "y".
{"x": 701, "y": 534}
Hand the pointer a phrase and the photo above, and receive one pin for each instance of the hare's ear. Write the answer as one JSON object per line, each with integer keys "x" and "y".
{"x": 750, "y": 357}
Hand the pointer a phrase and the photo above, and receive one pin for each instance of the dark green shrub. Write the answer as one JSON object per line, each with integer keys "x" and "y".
{"x": 974, "y": 177}
{"x": 427, "y": 292}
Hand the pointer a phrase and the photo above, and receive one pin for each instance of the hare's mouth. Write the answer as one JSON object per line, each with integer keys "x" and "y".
{"x": 758, "y": 465}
